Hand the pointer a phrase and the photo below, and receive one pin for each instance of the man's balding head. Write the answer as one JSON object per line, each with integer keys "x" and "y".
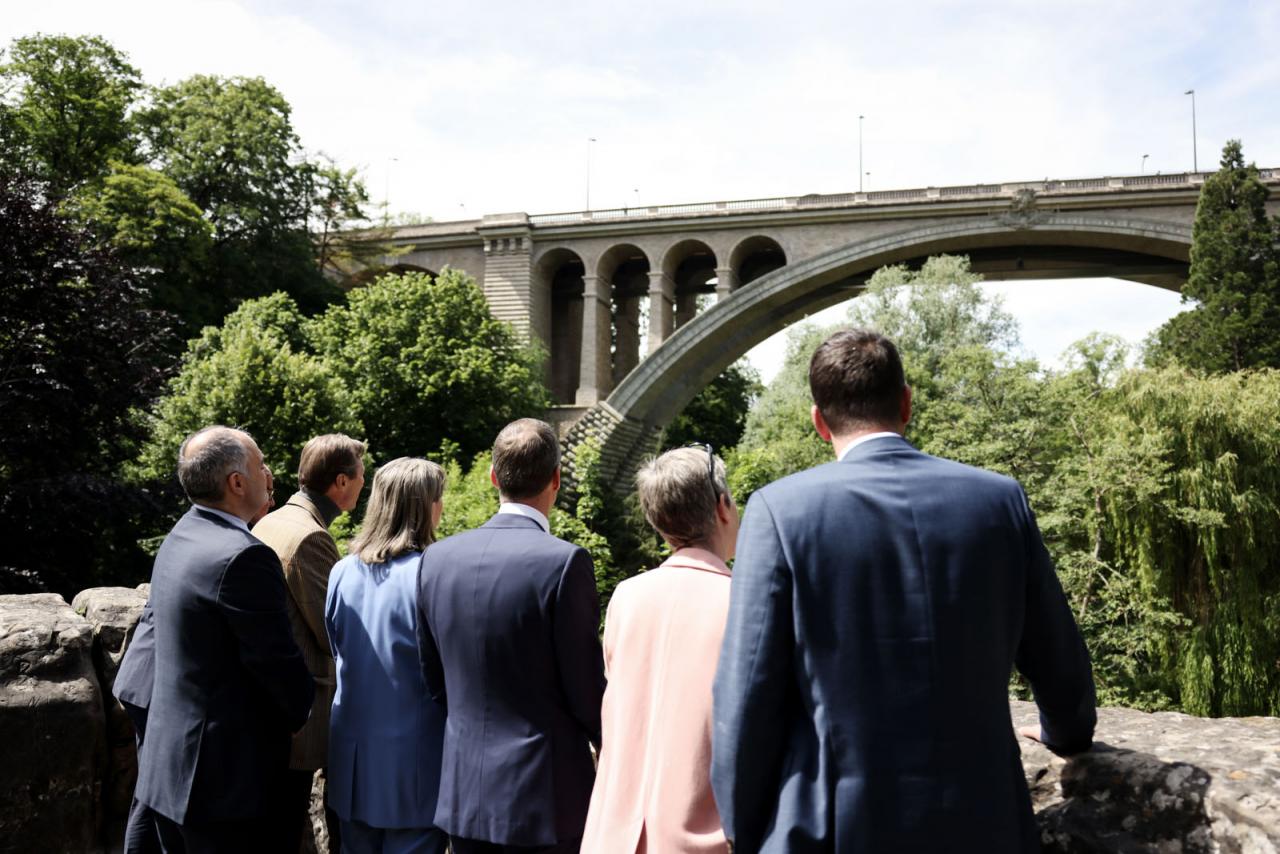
{"x": 208, "y": 457}
{"x": 526, "y": 456}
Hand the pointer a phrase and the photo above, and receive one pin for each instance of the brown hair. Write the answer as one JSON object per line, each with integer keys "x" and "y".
{"x": 326, "y": 457}
{"x": 526, "y": 455}
{"x": 856, "y": 379}
{"x": 679, "y": 494}
{"x": 399, "y": 518}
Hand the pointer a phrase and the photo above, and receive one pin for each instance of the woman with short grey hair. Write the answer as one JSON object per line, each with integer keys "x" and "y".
{"x": 385, "y": 733}
{"x": 661, "y": 643}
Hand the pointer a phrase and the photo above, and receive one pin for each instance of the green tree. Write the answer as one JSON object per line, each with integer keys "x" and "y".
{"x": 426, "y": 363}
{"x": 229, "y": 144}
{"x": 248, "y": 373}
{"x": 150, "y": 222}
{"x": 1234, "y": 280}
{"x": 64, "y": 108}
{"x": 80, "y": 351}
{"x": 718, "y": 414}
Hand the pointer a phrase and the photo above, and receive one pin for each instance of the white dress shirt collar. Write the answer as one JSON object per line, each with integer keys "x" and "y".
{"x": 866, "y": 437}
{"x": 234, "y": 520}
{"x": 526, "y": 511}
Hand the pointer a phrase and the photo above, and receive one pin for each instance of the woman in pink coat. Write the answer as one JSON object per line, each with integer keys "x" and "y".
{"x": 661, "y": 643}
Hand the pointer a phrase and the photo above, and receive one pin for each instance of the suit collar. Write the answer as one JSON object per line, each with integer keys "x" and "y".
{"x": 302, "y": 500}
{"x": 877, "y": 446}
{"x": 511, "y": 520}
{"x": 695, "y": 558}
{"x": 218, "y": 517}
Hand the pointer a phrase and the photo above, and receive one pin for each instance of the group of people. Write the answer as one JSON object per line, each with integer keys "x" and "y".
{"x": 843, "y": 688}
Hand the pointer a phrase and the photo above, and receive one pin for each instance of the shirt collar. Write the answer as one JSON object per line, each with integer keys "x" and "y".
{"x": 867, "y": 437}
{"x": 234, "y": 520}
{"x": 526, "y": 511}
{"x": 324, "y": 505}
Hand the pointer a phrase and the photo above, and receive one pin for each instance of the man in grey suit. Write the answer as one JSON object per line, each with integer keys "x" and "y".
{"x": 877, "y": 607}
{"x": 508, "y": 633}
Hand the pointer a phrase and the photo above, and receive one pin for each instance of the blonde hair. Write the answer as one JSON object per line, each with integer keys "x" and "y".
{"x": 679, "y": 492}
{"x": 399, "y": 519}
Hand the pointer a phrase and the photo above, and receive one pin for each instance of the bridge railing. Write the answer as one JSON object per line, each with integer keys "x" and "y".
{"x": 888, "y": 197}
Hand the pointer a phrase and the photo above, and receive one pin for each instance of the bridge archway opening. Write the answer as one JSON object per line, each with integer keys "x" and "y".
{"x": 369, "y": 274}
{"x": 626, "y": 268}
{"x": 691, "y": 266}
{"x": 561, "y": 272}
{"x": 755, "y": 257}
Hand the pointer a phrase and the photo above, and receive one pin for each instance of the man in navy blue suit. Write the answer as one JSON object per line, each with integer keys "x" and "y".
{"x": 229, "y": 682}
{"x": 878, "y": 605}
{"x": 508, "y": 623}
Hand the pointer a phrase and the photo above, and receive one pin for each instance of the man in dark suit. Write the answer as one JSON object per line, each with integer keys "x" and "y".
{"x": 508, "y": 623}
{"x": 229, "y": 683}
{"x": 877, "y": 607}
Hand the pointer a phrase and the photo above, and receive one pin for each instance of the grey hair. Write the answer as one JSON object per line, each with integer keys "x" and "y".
{"x": 204, "y": 472}
{"x": 679, "y": 496}
{"x": 399, "y": 519}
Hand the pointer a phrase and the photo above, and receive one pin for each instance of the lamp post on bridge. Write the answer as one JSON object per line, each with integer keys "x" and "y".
{"x": 860, "y": 118}
{"x": 1195, "y": 159}
{"x": 590, "y": 140}
{"x": 1143, "y": 170}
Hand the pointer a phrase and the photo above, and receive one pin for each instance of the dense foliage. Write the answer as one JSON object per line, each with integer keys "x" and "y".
{"x": 718, "y": 415}
{"x": 77, "y": 348}
{"x": 408, "y": 363}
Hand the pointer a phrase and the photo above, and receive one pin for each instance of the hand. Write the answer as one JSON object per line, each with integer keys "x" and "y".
{"x": 1031, "y": 732}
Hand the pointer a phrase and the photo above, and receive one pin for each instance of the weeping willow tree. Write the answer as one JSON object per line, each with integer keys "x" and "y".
{"x": 1191, "y": 513}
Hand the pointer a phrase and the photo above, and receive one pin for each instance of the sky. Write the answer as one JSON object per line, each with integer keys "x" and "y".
{"x": 454, "y": 110}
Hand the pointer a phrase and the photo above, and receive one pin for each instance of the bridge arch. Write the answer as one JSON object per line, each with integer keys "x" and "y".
{"x": 754, "y": 257}
{"x": 628, "y": 422}
{"x": 689, "y": 265}
{"x": 559, "y": 274}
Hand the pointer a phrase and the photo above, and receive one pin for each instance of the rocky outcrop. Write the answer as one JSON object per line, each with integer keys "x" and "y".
{"x": 1160, "y": 783}
{"x": 112, "y": 614}
{"x": 52, "y": 729}
{"x": 1165, "y": 783}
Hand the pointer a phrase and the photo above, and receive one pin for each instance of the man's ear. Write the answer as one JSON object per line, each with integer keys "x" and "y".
{"x": 820, "y": 424}
{"x": 905, "y": 405}
{"x": 555, "y": 480}
{"x": 493, "y": 477}
{"x": 235, "y": 483}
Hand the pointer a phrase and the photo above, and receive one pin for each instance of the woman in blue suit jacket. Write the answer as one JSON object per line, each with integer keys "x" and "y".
{"x": 385, "y": 732}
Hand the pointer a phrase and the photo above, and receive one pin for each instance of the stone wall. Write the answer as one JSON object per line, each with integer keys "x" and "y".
{"x": 1161, "y": 783}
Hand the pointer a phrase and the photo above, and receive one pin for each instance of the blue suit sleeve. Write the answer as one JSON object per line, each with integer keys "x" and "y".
{"x": 428, "y": 652}
{"x": 754, "y": 679}
{"x": 252, "y": 597}
{"x": 136, "y": 675}
{"x": 1052, "y": 654}
{"x": 576, "y": 627}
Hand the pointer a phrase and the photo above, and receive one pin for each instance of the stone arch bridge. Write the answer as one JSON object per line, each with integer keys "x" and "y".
{"x": 639, "y": 308}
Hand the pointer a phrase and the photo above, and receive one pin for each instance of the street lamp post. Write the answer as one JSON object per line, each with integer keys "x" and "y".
{"x": 1195, "y": 159}
{"x": 1144, "y": 164}
{"x": 860, "y": 118}
{"x": 590, "y": 140}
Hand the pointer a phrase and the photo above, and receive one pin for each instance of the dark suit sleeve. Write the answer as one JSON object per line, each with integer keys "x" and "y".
{"x": 428, "y": 652}
{"x": 1052, "y": 654}
{"x": 754, "y": 679}
{"x": 252, "y": 598}
{"x": 137, "y": 670}
{"x": 576, "y": 626}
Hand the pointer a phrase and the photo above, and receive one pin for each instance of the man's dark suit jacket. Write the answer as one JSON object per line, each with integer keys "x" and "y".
{"x": 508, "y": 623}
{"x": 861, "y": 700}
{"x": 230, "y": 684}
